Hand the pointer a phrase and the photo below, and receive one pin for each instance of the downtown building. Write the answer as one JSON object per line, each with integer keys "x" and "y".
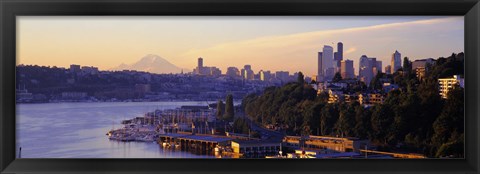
{"x": 447, "y": 84}
{"x": 396, "y": 61}
{"x": 205, "y": 70}
{"x": 265, "y": 75}
{"x": 329, "y": 62}
{"x": 420, "y": 67}
{"x": 368, "y": 68}
{"x": 247, "y": 72}
{"x": 233, "y": 72}
{"x": 346, "y": 69}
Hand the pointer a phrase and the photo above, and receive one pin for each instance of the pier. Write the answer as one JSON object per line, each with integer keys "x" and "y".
{"x": 200, "y": 142}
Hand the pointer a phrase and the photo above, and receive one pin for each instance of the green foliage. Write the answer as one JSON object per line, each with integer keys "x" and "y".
{"x": 413, "y": 118}
{"x": 407, "y": 65}
{"x": 451, "y": 119}
{"x": 346, "y": 121}
{"x": 381, "y": 120}
{"x": 220, "y": 110}
{"x": 229, "y": 110}
{"x": 376, "y": 83}
{"x": 300, "y": 78}
{"x": 240, "y": 125}
{"x": 337, "y": 77}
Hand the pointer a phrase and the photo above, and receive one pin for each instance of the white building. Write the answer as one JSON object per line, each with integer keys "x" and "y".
{"x": 447, "y": 84}
{"x": 367, "y": 69}
{"x": 327, "y": 57}
{"x": 396, "y": 62}
{"x": 346, "y": 69}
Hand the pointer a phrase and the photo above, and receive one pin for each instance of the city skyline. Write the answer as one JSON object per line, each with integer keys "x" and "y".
{"x": 297, "y": 46}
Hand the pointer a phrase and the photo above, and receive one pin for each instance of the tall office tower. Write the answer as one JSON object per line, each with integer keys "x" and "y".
{"x": 365, "y": 72}
{"x": 340, "y": 50}
{"x": 338, "y": 56}
{"x": 327, "y": 57}
{"x": 264, "y": 75}
{"x": 396, "y": 62}
{"x": 200, "y": 63}
{"x": 247, "y": 72}
{"x": 320, "y": 73}
{"x": 347, "y": 69}
{"x": 388, "y": 69}
{"x": 282, "y": 76}
{"x": 377, "y": 67}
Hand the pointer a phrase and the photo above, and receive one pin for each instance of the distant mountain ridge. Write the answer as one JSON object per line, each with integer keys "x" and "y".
{"x": 151, "y": 63}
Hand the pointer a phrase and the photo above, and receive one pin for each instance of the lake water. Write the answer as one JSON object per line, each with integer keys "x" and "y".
{"x": 77, "y": 130}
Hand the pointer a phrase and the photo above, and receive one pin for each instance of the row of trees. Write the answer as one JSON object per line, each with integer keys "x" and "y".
{"x": 413, "y": 118}
{"x": 225, "y": 111}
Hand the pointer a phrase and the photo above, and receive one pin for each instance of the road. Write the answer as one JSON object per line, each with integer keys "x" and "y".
{"x": 266, "y": 134}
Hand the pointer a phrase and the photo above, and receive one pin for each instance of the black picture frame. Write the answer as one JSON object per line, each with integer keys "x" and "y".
{"x": 9, "y": 9}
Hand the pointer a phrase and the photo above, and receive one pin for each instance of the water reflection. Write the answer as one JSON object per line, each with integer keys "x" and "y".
{"x": 77, "y": 130}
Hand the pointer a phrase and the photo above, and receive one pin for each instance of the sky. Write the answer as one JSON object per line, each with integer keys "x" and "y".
{"x": 266, "y": 42}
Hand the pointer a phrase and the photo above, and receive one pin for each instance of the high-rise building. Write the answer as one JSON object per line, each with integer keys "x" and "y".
{"x": 205, "y": 70}
{"x": 388, "y": 69}
{"x": 247, "y": 72}
{"x": 282, "y": 75}
{"x": 233, "y": 72}
{"x": 396, "y": 61}
{"x": 347, "y": 69}
{"x": 200, "y": 62}
{"x": 327, "y": 62}
{"x": 75, "y": 68}
{"x": 338, "y": 56}
{"x": 265, "y": 75}
{"x": 367, "y": 67}
{"x": 327, "y": 57}
{"x": 320, "y": 73}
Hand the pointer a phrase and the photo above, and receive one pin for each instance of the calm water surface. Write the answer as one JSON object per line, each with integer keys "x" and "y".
{"x": 77, "y": 130}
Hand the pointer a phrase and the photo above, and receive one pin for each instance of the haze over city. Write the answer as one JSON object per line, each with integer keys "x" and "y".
{"x": 266, "y": 43}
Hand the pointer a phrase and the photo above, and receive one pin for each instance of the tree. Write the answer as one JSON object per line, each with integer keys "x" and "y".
{"x": 337, "y": 77}
{"x": 300, "y": 78}
{"x": 451, "y": 118}
{"x": 346, "y": 121}
{"x": 407, "y": 65}
{"x": 376, "y": 83}
{"x": 220, "y": 110}
{"x": 362, "y": 122}
{"x": 381, "y": 121}
{"x": 229, "y": 110}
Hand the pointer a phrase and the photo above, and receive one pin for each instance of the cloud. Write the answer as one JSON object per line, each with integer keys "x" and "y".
{"x": 298, "y": 52}
{"x": 350, "y": 50}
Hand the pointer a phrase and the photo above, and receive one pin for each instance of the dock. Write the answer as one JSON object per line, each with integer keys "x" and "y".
{"x": 199, "y": 142}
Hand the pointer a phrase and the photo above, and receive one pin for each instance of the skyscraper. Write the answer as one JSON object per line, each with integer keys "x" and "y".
{"x": 347, "y": 69}
{"x": 320, "y": 68}
{"x": 327, "y": 57}
{"x": 282, "y": 75}
{"x": 327, "y": 61}
{"x": 396, "y": 62}
{"x": 247, "y": 72}
{"x": 264, "y": 75}
{"x": 338, "y": 56}
{"x": 367, "y": 66}
{"x": 200, "y": 62}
